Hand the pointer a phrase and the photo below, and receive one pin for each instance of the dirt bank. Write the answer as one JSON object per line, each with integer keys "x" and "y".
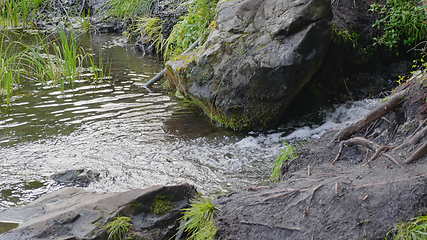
{"x": 355, "y": 184}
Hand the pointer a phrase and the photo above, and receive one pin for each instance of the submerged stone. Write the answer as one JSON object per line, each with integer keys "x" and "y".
{"x": 76, "y": 177}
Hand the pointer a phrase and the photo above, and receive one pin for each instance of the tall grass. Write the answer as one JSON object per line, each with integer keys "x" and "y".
{"x": 70, "y": 53}
{"x": 130, "y": 8}
{"x": 18, "y": 12}
{"x": 150, "y": 27}
{"x": 57, "y": 61}
{"x": 9, "y": 72}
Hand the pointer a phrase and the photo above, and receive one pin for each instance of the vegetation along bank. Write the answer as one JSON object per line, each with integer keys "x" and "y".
{"x": 250, "y": 65}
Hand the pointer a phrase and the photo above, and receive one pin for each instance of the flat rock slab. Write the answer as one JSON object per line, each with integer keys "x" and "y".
{"x": 350, "y": 203}
{"x": 73, "y": 213}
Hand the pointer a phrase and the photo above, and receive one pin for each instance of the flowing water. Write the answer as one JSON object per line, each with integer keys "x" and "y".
{"x": 131, "y": 136}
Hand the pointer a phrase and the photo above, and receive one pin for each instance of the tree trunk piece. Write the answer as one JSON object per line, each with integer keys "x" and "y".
{"x": 394, "y": 101}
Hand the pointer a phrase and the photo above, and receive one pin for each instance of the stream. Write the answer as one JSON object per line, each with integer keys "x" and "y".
{"x": 134, "y": 137}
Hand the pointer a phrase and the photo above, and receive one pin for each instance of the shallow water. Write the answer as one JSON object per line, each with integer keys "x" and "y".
{"x": 132, "y": 137}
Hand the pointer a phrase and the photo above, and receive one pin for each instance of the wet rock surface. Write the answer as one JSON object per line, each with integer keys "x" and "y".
{"x": 261, "y": 54}
{"x": 73, "y": 213}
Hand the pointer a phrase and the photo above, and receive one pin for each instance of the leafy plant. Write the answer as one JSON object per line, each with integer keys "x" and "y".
{"x": 344, "y": 36}
{"x": 119, "y": 228}
{"x": 403, "y": 23}
{"x": 416, "y": 229}
{"x": 192, "y": 27}
{"x": 288, "y": 153}
{"x": 199, "y": 220}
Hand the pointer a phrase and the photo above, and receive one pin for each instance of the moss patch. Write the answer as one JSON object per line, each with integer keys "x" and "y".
{"x": 33, "y": 185}
{"x": 161, "y": 205}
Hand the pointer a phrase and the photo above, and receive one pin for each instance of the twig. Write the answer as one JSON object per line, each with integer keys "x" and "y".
{"x": 161, "y": 74}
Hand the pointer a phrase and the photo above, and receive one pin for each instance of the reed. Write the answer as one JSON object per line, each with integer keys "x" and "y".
{"x": 18, "y": 12}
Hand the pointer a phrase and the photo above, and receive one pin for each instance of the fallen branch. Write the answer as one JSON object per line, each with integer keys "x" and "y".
{"x": 161, "y": 74}
{"x": 378, "y": 113}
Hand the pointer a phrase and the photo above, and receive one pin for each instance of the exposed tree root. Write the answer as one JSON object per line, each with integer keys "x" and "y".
{"x": 416, "y": 138}
{"x": 415, "y": 141}
{"x": 394, "y": 101}
{"x": 419, "y": 153}
{"x": 376, "y": 148}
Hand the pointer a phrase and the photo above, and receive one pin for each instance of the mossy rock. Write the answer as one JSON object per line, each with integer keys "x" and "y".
{"x": 248, "y": 72}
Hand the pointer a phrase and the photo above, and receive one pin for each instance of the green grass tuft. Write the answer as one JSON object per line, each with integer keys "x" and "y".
{"x": 288, "y": 153}
{"x": 199, "y": 222}
{"x": 416, "y": 229}
{"x": 119, "y": 228}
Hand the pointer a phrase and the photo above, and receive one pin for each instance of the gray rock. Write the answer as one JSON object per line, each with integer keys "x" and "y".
{"x": 347, "y": 203}
{"x": 259, "y": 57}
{"x": 76, "y": 177}
{"x": 75, "y": 214}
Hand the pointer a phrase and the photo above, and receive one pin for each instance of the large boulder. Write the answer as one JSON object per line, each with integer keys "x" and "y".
{"x": 256, "y": 60}
{"x": 72, "y": 213}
